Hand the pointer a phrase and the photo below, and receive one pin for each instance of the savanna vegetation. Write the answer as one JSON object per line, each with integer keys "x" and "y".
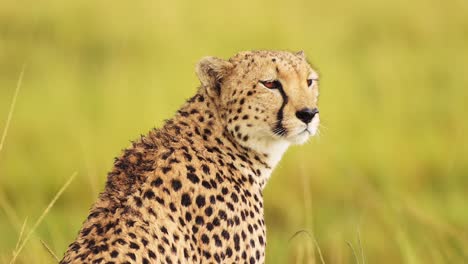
{"x": 386, "y": 181}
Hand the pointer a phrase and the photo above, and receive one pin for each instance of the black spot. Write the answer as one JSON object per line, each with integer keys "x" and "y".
{"x": 260, "y": 239}
{"x": 157, "y": 182}
{"x": 138, "y": 201}
{"x": 206, "y": 254}
{"x": 236, "y": 242}
{"x": 222, "y": 214}
{"x": 193, "y": 177}
{"x": 200, "y": 201}
{"x": 207, "y": 132}
{"x": 228, "y": 252}
{"x": 114, "y": 254}
{"x": 206, "y": 184}
{"x": 199, "y": 220}
{"x": 188, "y": 216}
{"x": 167, "y": 154}
{"x": 218, "y": 242}
{"x": 205, "y": 239}
{"x": 225, "y": 234}
{"x": 172, "y": 207}
{"x": 217, "y": 258}
{"x": 161, "y": 249}
{"x": 149, "y": 194}
{"x": 234, "y": 197}
{"x": 132, "y": 256}
{"x": 213, "y": 183}
{"x": 160, "y": 200}
{"x": 166, "y": 169}
{"x": 151, "y": 254}
{"x": 206, "y": 169}
{"x": 134, "y": 245}
{"x": 209, "y": 211}
{"x": 224, "y": 190}
{"x": 188, "y": 156}
{"x": 173, "y": 160}
{"x": 183, "y": 113}
{"x": 209, "y": 226}
{"x": 176, "y": 184}
{"x": 220, "y": 198}
{"x": 186, "y": 201}
{"x": 190, "y": 168}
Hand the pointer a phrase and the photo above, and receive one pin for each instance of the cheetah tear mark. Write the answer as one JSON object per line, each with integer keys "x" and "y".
{"x": 279, "y": 128}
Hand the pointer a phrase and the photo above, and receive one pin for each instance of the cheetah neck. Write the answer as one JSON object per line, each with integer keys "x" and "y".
{"x": 273, "y": 151}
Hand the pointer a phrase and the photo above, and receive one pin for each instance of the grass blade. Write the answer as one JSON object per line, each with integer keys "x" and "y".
{"x": 354, "y": 251}
{"x": 20, "y": 237}
{"x": 50, "y": 250}
{"x": 12, "y": 107}
{"x": 361, "y": 248}
{"x": 44, "y": 213}
{"x": 313, "y": 239}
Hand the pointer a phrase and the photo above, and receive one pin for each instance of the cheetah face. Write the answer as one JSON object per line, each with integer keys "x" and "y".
{"x": 264, "y": 95}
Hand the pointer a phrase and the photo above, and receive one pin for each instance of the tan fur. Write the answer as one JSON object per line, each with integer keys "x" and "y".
{"x": 191, "y": 192}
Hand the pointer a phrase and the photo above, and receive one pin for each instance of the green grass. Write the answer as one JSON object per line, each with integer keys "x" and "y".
{"x": 391, "y": 163}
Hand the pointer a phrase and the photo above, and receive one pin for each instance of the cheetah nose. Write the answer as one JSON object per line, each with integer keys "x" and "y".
{"x": 306, "y": 114}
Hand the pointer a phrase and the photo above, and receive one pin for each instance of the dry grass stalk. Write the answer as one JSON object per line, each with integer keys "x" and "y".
{"x": 39, "y": 220}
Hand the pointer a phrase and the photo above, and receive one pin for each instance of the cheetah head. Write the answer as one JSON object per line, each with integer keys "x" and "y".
{"x": 264, "y": 96}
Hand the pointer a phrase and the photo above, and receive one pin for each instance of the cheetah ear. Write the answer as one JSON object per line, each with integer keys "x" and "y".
{"x": 211, "y": 71}
{"x": 301, "y": 54}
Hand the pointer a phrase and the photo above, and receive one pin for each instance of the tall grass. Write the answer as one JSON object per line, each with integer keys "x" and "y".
{"x": 392, "y": 162}
{"x": 23, "y": 241}
{"x": 10, "y": 111}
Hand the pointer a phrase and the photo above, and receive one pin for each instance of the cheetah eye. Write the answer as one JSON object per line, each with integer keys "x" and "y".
{"x": 309, "y": 82}
{"x": 271, "y": 84}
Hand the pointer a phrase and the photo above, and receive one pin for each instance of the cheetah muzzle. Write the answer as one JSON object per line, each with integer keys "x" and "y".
{"x": 191, "y": 191}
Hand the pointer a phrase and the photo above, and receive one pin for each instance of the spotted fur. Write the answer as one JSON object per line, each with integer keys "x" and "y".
{"x": 191, "y": 191}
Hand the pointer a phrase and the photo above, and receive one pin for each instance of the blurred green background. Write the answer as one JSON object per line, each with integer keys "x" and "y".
{"x": 389, "y": 169}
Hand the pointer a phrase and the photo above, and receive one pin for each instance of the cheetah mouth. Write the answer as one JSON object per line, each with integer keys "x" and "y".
{"x": 300, "y": 136}
{"x": 301, "y": 132}
{"x": 305, "y": 131}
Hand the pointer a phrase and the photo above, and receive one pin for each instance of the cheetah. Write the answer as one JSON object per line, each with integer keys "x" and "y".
{"x": 191, "y": 191}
